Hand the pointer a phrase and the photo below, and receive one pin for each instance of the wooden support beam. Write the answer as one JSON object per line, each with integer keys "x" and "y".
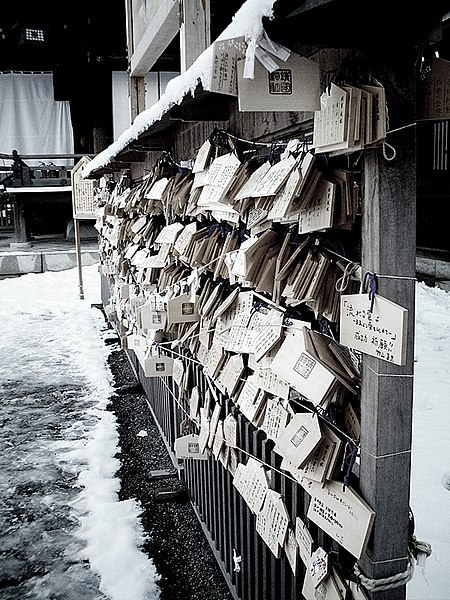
{"x": 388, "y": 249}
{"x": 137, "y": 96}
{"x": 195, "y": 35}
{"x": 162, "y": 25}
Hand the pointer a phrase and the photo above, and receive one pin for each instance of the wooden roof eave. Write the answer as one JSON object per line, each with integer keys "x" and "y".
{"x": 354, "y": 24}
{"x": 202, "y": 106}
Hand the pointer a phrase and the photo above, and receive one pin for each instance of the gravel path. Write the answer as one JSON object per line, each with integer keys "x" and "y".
{"x": 176, "y": 542}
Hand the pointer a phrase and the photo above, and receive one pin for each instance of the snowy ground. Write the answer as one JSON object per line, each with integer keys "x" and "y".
{"x": 64, "y": 534}
{"x": 430, "y": 478}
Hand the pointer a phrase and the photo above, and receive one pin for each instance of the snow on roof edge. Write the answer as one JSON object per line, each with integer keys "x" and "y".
{"x": 247, "y": 22}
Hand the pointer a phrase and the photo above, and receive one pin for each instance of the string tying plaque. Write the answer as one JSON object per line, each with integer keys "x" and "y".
{"x": 351, "y": 269}
{"x": 237, "y": 561}
{"x": 350, "y": 454}
{"x": 370, "y": 284}
{"x": 325, "y": 329}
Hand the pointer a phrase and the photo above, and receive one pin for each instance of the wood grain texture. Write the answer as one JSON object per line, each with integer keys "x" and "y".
{"x": 388, "y": 249}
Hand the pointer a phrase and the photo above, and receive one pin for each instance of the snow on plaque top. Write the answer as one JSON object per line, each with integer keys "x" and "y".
{"x": 223, "y": 78}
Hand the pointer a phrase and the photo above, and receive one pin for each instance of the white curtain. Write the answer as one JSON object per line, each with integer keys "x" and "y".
{"x": 31, "y": 121}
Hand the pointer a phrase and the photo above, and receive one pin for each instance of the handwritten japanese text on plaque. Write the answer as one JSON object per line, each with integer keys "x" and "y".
{"x": 380, "y": 332}
{"x": 84, "y": 203}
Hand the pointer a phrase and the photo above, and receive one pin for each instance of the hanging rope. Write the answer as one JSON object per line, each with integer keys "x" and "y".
{"x": 384, "y": 147}
{"x": 351, "y": 269}
{"x": 386, "y": 583}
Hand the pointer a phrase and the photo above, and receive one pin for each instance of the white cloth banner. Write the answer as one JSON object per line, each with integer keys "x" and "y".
{"x": 31, "y": 120}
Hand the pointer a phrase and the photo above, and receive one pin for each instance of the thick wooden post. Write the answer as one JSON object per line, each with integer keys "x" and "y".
{"x": 137, "y": 96}
{"x": 389, "y": 250}
{"x": 195, "y": 34}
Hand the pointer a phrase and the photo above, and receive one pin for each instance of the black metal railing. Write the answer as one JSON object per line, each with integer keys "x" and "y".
{"x": 228, "y": 523}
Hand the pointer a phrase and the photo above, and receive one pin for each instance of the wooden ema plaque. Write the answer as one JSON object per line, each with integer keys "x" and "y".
{"x": 158, "y": 366}
{"x": 380, "y": 332}
{"x": 188, "y": 446}
{"x": 341, "y": 513}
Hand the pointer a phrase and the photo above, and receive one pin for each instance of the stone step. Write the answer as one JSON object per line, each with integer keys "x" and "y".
{"x": 38, "y": 257}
